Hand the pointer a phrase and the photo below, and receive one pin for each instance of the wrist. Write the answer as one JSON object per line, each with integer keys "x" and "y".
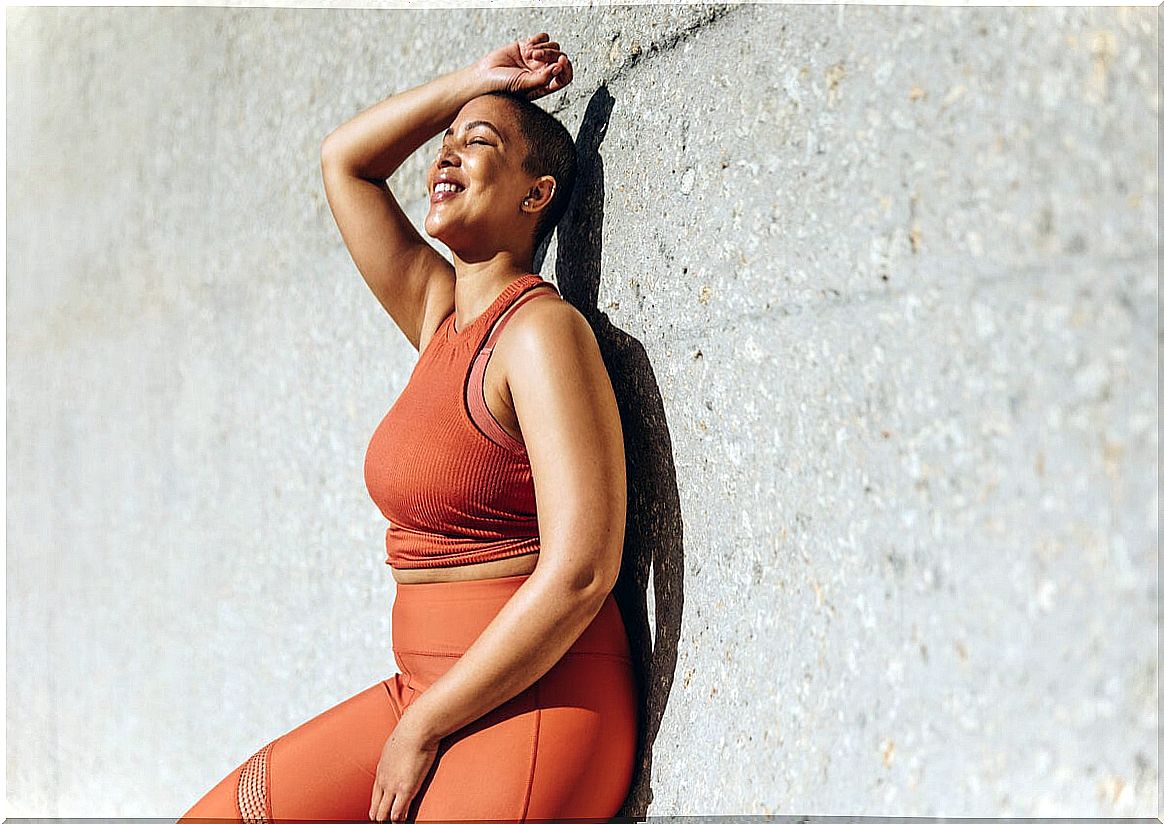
{"x": 473, "y": 79}
{"x": 413, "y": 725}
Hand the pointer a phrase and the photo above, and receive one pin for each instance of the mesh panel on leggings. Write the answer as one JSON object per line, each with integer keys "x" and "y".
{"x": 254, "y": 803}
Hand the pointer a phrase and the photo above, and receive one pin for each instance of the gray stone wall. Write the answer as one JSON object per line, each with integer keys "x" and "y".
{"x": 878, "y": 290}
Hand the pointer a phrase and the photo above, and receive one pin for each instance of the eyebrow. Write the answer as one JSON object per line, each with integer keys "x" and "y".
{"x": 473, "y": 123}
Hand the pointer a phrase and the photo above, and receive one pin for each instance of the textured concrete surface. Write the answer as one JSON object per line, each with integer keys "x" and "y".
{"x": 878, "y": 288}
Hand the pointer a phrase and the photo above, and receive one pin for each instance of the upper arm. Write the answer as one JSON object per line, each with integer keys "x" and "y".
{"x": 570, "y": 424}
{"x": 407, "y": 275}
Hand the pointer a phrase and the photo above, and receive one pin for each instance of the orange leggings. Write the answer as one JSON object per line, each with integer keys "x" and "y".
{"x": 562, "y": 748}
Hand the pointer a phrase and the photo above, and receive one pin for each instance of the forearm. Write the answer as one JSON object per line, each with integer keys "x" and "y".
{"x": 530, "y": 634}
{"x": 375, "y": 142}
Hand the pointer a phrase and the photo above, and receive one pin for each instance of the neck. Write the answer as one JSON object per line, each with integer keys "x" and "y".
{"x": 477, "y": 286}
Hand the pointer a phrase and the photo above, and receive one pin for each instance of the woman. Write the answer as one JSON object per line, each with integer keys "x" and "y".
{"x": 501, "y": 472}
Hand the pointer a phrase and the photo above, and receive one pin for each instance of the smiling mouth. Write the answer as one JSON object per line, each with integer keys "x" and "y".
{"x": 443, "y": 191}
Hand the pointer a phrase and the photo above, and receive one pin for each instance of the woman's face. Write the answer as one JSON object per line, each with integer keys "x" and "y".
{"x": 481, "y": 153}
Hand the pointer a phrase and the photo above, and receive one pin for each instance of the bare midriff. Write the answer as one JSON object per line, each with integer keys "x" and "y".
{"x": 500, "y": 568}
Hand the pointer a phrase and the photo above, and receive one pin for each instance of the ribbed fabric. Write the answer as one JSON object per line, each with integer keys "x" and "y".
{"x": 452, "y": 495}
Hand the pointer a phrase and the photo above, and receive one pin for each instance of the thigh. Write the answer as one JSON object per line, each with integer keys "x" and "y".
{"x": 482, "y": 770}
{"x": 563, "y": 748}
{"x": 587, "y": 738}
{"x": 324, "y": 768}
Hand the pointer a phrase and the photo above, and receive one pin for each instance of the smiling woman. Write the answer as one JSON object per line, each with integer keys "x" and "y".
{"x": 501, "y": 473}
{"x": 509, "y": 152}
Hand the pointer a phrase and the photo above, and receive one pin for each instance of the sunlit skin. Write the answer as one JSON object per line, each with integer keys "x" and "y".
{"x": 546, "y": 381}
{"x": 493, "y": 219}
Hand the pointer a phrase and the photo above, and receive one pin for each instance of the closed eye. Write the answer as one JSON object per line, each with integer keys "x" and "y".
{"x": 475, "y": 141}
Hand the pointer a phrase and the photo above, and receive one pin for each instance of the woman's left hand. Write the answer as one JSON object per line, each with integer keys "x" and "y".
{"x": 532, "y": 68}
{"x": 405, "y": 761}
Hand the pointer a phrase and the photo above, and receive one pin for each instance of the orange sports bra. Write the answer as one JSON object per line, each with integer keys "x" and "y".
{"x": 455, "y": 487}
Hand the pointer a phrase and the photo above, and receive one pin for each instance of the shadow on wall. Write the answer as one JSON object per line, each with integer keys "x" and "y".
{"x": 654, "y": 528}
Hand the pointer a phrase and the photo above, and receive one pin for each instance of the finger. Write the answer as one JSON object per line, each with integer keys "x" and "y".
{"x": 550, "y": 83}
{"x": 542, "y": 91}
{"x": 385, "y": 806}
{"x": 538, "y": 37}
{"x": 536, "y": 54}
{"x": 536, "y": 80}
{"x": 557, "y": 77}
{"x": 376, "y": 793}
{"x": 400, "y": 808}
{"x": 542, "y": 76}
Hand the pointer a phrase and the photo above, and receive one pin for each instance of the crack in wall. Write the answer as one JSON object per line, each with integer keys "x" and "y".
{"x": 714, "y": 14}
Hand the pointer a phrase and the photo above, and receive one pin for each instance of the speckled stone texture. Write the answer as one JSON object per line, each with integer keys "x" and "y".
{"x": 878, "y": 290}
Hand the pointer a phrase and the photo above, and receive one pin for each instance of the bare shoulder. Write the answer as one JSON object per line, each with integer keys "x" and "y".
{"x": 556, "y": 378}
{"x": 550, "y": 333}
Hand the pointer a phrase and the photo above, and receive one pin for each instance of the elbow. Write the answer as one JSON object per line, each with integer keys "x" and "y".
{"x": 586, "y": 585}
{"x": 601, "y": 584}
{"x": 330, "y": 151}
{"x": 581, "y": 560}
{"x": 606, "y": 573}
{"x": 327, "y": 151}
{"x": 590, "y": 598}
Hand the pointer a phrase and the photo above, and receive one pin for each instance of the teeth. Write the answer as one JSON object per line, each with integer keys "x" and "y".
{"x": 447, "y": 187}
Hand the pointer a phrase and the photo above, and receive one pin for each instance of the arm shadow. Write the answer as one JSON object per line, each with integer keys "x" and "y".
{"x": 653, "y": 550}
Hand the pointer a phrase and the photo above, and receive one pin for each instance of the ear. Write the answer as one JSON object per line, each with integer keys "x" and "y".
{"x": 540, "y": 194}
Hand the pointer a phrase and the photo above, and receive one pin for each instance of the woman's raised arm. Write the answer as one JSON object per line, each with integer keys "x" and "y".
{"x": 412, "y": 281}
{"x": 405, "y": 273}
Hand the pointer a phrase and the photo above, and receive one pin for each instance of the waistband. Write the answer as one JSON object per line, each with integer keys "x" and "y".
{"x": 446, "y": 617}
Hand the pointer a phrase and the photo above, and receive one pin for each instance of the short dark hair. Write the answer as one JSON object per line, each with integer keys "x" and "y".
{"x": 550, "y": 151}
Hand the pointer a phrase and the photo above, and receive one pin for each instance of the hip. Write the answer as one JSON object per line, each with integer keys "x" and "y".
{"x": 434, "y": 623}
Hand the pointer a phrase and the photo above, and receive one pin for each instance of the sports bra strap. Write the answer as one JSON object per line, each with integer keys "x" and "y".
{"x": 531, "y": 293}
{"x": 479, "y": 412}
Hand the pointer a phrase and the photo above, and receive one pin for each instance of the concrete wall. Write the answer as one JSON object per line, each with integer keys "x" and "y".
{"x": 878, "y": 289}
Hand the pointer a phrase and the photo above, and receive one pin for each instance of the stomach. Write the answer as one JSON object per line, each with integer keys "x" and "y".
{"x": 500, "y": 568}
